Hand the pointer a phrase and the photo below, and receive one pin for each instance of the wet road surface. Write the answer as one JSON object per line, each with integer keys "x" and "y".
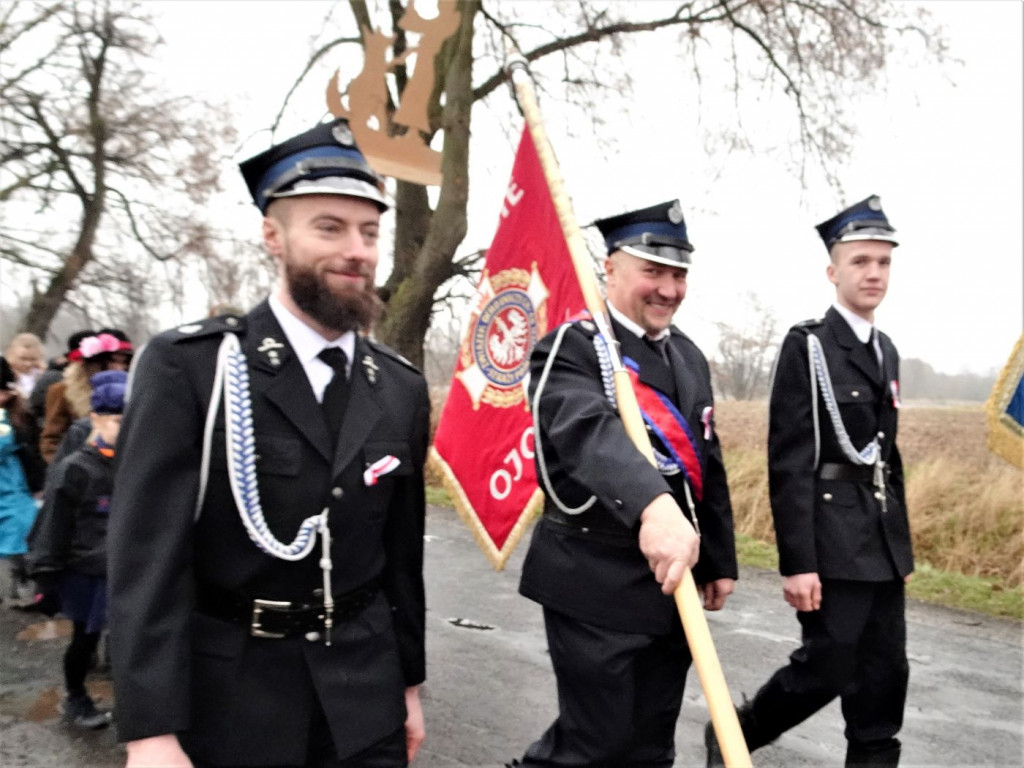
{"x": 490, "y": 690}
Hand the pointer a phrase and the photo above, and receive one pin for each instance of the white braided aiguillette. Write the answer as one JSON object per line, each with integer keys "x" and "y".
{"x": 241, "y": 457}
{"x": 870, "y": 453}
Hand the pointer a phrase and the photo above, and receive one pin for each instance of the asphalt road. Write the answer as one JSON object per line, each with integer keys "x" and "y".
{"x": 490, "y": 690}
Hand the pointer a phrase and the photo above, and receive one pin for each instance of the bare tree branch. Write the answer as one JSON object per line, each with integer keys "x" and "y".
{"x": 317, "y": 55}
{"x": 87, "y": 126}
{"x": 819, "y": 53}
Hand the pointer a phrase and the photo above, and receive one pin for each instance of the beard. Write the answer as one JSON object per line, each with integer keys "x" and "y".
{"x": 348, "y": 309}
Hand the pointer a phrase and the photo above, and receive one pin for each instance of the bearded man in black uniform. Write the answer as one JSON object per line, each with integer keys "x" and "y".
{"x": 266, "y": 536}
{"x": 615, "y": 527}
{"x": 837, "y": 497}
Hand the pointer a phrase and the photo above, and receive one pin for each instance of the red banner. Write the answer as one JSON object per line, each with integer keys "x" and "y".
{"x": 483, "y": 447}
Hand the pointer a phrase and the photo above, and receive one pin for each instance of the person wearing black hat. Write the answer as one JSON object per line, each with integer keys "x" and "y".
{"x": 617, "y": 533}
{"x": 837, "y": 498}
{"x": 266, "y": 562}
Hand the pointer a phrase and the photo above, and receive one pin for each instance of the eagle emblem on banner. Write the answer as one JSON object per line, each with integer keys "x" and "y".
{"x": 509, "y": 313}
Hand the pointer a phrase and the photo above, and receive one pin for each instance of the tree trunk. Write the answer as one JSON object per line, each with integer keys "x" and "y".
{"x": 415, "y": 281}
{"x": 412, "y": 222}
{"x": 45, "y": 305}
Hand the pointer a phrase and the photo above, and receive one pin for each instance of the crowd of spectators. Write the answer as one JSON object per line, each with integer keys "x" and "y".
{"x": 58, "y": 426}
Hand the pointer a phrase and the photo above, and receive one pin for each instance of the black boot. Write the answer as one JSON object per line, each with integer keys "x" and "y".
{"x": 745, "y": 714}
{"x": 715, "y": 758}
{"x": 21, "y": 587}
{"x": 886, "y": 754}
{"x": 80, "y": 709}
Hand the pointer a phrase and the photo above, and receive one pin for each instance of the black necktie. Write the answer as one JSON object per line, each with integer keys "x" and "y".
{"x": 870, "y": 344}
{"x": 660, "y": 346}
{"x": 336, "y": 394}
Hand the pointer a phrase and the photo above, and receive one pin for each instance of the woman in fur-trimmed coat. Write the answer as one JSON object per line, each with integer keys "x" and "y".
{"x": 68, "y": 400}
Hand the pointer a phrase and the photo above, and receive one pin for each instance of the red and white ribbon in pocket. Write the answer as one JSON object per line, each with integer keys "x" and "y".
{"x": 380, "y": 468}
{"x": 707, "y": 418}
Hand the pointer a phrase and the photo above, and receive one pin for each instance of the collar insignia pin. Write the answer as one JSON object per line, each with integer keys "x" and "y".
{"x": 270, "y": 344}
{"x": 370, "y": 366}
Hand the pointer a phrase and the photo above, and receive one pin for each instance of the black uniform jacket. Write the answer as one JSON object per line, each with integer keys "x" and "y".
{"x": 234, "y": 698}
{"x": 836, "y": 528}
{"x": 71, "y": 528}
{"x": 589, "y": 566}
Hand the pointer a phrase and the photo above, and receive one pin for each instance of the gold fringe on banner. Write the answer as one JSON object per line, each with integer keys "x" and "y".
{"x": 496, "y": 557}
{"x": 1005, "y": 435}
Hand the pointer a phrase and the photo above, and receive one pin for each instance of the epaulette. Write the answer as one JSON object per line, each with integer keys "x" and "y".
{"x": 586, "y": 325}
{"x": 384, "y": 349}
{"x": 806, "y": 325}
{"x": 210, "y": 326}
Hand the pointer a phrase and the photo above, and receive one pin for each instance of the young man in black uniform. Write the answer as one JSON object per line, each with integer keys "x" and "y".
{"x": 267, "y": 603}
{"x": 614, "y": 527}
{"x": 837, "y": 497}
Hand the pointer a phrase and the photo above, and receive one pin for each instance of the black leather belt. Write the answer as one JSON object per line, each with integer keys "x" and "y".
{"x": 852, "y": 473}
{"x": 591, "y": 527}
{"x": 279, "y": 618}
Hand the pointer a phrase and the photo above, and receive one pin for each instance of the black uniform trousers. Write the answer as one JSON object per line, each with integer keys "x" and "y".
{"x": 619, "y": 695}
{"x": 854, "y": 647}
{"x": 389, "y": 752}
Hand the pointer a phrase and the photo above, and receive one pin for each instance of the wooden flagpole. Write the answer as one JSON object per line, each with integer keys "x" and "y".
{"x": 698, "y": 635}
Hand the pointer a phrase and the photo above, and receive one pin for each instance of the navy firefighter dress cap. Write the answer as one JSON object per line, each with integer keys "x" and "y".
{"x": 322, "y": 161}
{"x": 861, "y": 221}
{"x": 656, "y": 234}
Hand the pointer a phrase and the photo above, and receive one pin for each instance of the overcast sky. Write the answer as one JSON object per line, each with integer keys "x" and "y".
{"x": 942, "y": 146}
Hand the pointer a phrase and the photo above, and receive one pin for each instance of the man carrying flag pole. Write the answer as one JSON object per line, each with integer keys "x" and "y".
{"x": 614, "y": 526}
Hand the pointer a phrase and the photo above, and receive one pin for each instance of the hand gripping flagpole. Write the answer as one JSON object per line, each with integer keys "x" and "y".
{"x": 698, "y": 636}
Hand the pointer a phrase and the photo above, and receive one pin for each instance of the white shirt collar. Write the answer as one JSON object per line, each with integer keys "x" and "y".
{"x": 861, "y": 327}
{"x": 633, "y": 327}
{"x": 307, "y": 343}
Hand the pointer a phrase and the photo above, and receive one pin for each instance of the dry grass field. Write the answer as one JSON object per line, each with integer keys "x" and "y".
{"x": 966, "y": 505}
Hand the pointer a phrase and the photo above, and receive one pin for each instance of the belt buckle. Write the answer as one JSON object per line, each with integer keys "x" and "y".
{"x": 258, "y": 607}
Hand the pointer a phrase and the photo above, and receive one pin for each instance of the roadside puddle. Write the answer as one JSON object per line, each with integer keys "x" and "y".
{"x": 52, "y": 629}
{"x": 47, "y": 705}
{"x": 39, "y": 705}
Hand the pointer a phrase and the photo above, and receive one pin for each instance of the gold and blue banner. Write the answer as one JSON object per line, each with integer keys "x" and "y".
{"x": 1005, "y": 409}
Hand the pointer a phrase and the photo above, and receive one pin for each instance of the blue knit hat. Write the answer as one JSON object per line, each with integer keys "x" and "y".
{"x": 108, "y": 391}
